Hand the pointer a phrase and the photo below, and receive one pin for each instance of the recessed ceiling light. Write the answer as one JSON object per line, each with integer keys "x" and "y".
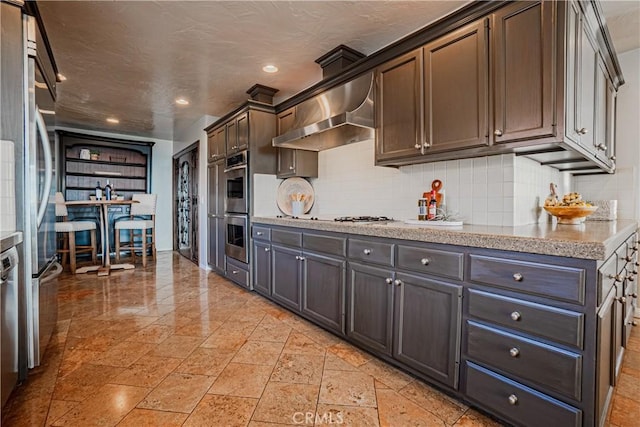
{"x": 61, "y": 77}
{"x": 113, "y": 120}
{"x": 270, "y": 68}
{"x": 182, "y": 101}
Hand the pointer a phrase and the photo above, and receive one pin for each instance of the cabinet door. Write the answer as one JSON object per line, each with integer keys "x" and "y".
{"x": 618, "y": 335}
{"x": 605, "y": 375}
{"x": 524, "y": 44}
{"x": 610, "y": 137}
{"x": 242, "y": 129}
{"x": 456, "y": 79}
{"x": 370, "y": 306}
{"x": 220, "y": 240}
{"x": 220, "y": 142}
{"x": 213, "y": 238}
{"x": 211, "y": 146}
{"x": 262, "y": 267}
{"x": 323, "y": 290}
{"x": 286, "y": 119}
{"x": 399, "y": 107}
{"x": 285, "y": 276}
{"x": 427, "y": 326}
{"x": 586, "y": 96}
{"x": 232, "y": 137}
{"x": 286, "y": 162}
{"x": 220, "y": 188}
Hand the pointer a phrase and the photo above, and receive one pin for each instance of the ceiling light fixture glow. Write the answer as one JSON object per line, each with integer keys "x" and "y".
{"x": 182, "y": 101}
{"x": 113, "y": 120}
{"x": 270, "y": 68}
{"x": 61, "y": 77}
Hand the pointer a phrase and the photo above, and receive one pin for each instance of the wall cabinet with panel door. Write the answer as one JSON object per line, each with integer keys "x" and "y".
{"x": 216, "y": 144}
{"x": 215, "y": 215}
{"x": 301, "y": 163}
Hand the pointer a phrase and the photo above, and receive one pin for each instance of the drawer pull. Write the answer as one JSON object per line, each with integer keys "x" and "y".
{"x": 424, "y": 261}
{"x": 259, "y": 233}
{"x": 627, "y": 258}
{"x": 583, "y": 131}
{"x": 518, "y": 277}
{"x": 397, "y": 282}
{"x": 516, "y": 316}
{"x": 389, "y": 280}
{"x": 234, "y": 272}
{"x": 633, "y": 295}
{"x": 630, "y": 278}
{"x": 367, "y": 251}
{"x": 621, "y": 299}
{"x": 301, "y": 258}
{"x": 267, "y": 249}
{"x": 513, "y": 399}
{"x": 616, "y": 278}
{"x": 514, "y": 352}
{"x": 497, "y": 132}
{"x": 417, "y": 146}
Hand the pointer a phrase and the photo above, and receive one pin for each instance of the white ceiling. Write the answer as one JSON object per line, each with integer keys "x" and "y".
{"x": 132, "y": 59}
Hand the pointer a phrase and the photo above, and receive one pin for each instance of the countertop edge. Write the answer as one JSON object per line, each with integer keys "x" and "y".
{"x": 501, "y": 238}
{"x": 10, "y": 239}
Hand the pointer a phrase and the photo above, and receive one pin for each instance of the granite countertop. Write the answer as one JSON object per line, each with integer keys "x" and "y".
{"x": 9, "y": 239}
{"x": 591, "y": 240}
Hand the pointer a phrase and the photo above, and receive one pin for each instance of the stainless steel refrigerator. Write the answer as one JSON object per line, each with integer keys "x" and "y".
{"x": 41, "y": 268}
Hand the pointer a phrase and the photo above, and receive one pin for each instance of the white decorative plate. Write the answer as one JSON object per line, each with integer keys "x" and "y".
{"x": 291, "y": 187}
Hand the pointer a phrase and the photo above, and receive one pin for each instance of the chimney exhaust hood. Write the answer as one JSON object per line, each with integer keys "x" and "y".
{"x": 339, "y": 116}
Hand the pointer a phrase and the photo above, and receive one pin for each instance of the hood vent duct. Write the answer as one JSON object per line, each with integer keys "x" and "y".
{"x": 339, "y": 116}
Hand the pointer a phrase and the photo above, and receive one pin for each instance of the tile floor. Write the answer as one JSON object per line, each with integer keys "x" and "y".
{"x": 172, "y": 345}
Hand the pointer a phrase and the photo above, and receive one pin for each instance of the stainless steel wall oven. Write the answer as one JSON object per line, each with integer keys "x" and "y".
{"x": 236, "y": 184}
{"x": 237, "y": 236}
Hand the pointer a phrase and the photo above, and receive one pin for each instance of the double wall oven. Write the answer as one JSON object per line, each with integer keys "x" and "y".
{"x": 236, "y": 206}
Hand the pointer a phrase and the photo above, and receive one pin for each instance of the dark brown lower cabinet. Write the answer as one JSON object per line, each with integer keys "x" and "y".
{"x": 427, "y": 325}
{"x": 262, "y": 267}
{"x": 285, "y": 276}
{"x": 323, "y": 290}
{"x": 605, "y": 369}
{"x": 370, "y": 307}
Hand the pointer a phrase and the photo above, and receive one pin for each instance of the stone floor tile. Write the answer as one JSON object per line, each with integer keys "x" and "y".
{"x": 57, "y": 409}
{"x": 386, "y": 373}
{"x": 281, "y": 402}
{"x": 225, "y": 341}
{"x": 199, "y": 328}
{"x": 628, "y": 386}
{"x": 625, "y": 412}
{"x": 27, "y": 413}
{"x": 177, "y": 346}
{"x": 298, "y": 343}
{"x": 242, "y": 380}
{"x": 228, "y": 411}
{"x": 124, "y": 354}
{"x": 396, "y": 410}
{"x": 347, "y": 388}
{"x": 434, "y": 401}
{"x": 259, "y": 353}
{"x": 206, "y": 361}
{"x": 177, "y": 393}
{"x": 153, "y": 334}
{"x": 271, "y": 329}
{"x": 350, "y": 354}
{"x": 107, "y": 407}
{"x": 298, "y": 368}
{"x": 151, "y": 418}
{"x": 84, "y": 382}
{"x": 473, "y": 418}
{"x": 148, "y": 371}
{"x": 334, "y": 363}
{"x": 356, "y": 416}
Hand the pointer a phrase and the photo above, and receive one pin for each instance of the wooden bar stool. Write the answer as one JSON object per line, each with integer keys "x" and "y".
{"x": 68, "y": 230}
{"x": 146, "y": 206}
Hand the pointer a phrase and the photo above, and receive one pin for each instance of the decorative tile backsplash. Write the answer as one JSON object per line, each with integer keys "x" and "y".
{"x": 496, "y": 190}
{"x": 7, "y": 187}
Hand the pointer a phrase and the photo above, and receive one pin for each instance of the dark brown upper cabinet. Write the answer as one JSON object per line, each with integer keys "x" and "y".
{"x": 216, "y": 143}
{"x": 456, "y": 85}
{"x": 300, "y": 163}
{"x": 524, "y": 51}
{"x": 399, "y": 107}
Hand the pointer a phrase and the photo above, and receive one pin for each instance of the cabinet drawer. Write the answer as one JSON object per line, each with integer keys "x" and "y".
{"x": 288, "y": 238}
{"x": 327, "y": 244}
{"x": 551, "y": 281}
{"x": 431, "y": 261}
{"x": 516, "y": 402}
{"x": 375, "y": 252}
{"x": 237, "y": 273}
{"x": 551, "y": 367}
{"x": 260, "y": 233}
{"x": 562, "y": 326}
{"x": 606, "y": 277}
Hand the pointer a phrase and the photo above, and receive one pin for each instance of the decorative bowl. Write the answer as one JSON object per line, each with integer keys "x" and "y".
{"x": 570, "y": 214}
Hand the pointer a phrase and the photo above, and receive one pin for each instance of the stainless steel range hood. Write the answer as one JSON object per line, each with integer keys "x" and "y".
{"x": 339, "y": 116}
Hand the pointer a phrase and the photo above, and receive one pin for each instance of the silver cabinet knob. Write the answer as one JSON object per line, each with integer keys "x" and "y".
{"x": 301, "y": 258}
{"x": 612, "y": 158}
{"x": 426, "y": 145}
{"x": 397, "y": 282}
{"x": 633, "y": 295}
{"x": 583, "y": 131}
{"x": 616, "y": 278}
{"x": 514, "y": 352}
{"x": 290, "y": 168}
{"x": 298, "y": 257}
{"x": 627, "y": 258}
{"x": 497, "y": 132}
{"x": 389, "y": 280}
{"x": 516, "y": 316}
{"x": 424, "y": 261}
{"x": 513, "y": 399}
{"x": 417, "y": 146}
{"x": 235, "y": 272}
{"x": 518, "y": 277}
{"x": 631, "y": 278}
{"x": 621, "y": 300}
{"x": 259, "y": 233}
{"x": 267, "y": 249}
{"x": 601, "y": 147}
{"x": 367, "y": 251}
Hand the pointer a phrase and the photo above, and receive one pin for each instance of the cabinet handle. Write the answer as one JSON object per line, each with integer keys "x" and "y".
{"x": 367, "y": 251}
{"x": 297, "y": 257}
{"x": 631, "y": 278}
{"x": 267, "y": 249}
{"x": 301, "y": 258}
{"x": 627, "y": 258}
{"x": 397, "y": 282}
{"x": 290, "y": 168}
{"x": 417, "y": 146}
{"x": 514, "y": 352}
{"x": 601, "y": 147}
{"x": 622, "y": 300}
{"x": 633, "y": 323}
{"x": 234, "y": 272}
{"x": 633, "y": 295}
{"x": 634, "y": 248}
{"x": 497, "y": 132}
{"x": 612, "y": 158}
{"x": 259, "y": 233}
{"x": 426, "y": 145}
{"x": 518, "y": 277}
{"x": 513, "y": 399}
{"x": 424, "y": 261}
{"x": 516, "y": 316}
{"x": 616, "y": 278}
{"x": 583, "y": 131}
{"x": 637, "y": 263}
{"x": 389, "y": 280}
